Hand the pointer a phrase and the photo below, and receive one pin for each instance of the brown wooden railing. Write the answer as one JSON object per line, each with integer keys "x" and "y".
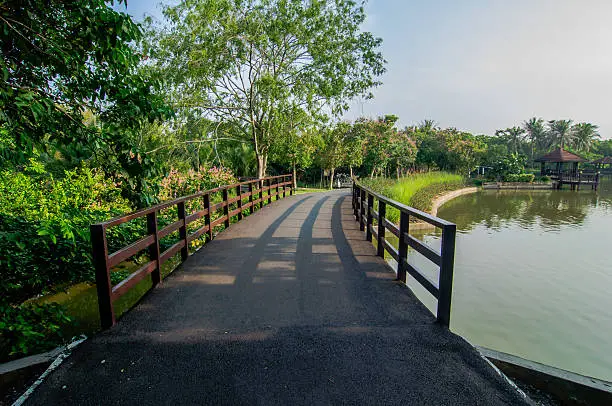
{"x": 253, "y": 190}
{"x": 364, "y": 209}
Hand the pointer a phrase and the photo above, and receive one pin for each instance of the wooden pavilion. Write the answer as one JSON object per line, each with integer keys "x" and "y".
{"x": 601, "y": 164}
{"x": 566, "y": 169}
{"x": 559, "y": 162}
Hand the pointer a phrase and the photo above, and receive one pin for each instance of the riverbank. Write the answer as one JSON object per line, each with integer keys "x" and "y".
{"x": 518, "y": 186}
{"x": 512, "y": 264}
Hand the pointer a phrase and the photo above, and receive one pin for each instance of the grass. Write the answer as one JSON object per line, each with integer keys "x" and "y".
{"x": 418, "y": 191}
{"x": 302, "y": 190}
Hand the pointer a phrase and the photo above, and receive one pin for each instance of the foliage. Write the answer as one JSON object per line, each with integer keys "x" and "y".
{"x": 30, "y": 328}
{"x": 520, "y": 177}
{"x": 250, "y": 62}
{"x": 512, "y": 164}
{"x": 56, "y": 65}
{"x": 513, "y": 136}
{"x": 334, "y": 153}
{"x": 449, "y": 150}
{"x": 44, "y": 228}
{"x": 423, "y": 198}
{"x": 417, "y": 190}
{"x": 177, "y": 184}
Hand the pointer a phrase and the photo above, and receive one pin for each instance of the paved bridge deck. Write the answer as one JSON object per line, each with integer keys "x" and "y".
{"x": 289, "y": 306}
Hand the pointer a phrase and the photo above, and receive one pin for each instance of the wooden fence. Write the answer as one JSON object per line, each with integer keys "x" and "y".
{"x": 253, "y": 190}
{"x": 364, "y": 208}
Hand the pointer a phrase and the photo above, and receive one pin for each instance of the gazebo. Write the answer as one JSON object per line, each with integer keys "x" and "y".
{"x": 564, "y": 162}
{"x": 602, "y": 162}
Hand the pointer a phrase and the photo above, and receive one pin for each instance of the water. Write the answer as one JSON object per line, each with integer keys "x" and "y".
{"x": 533, "y": 275}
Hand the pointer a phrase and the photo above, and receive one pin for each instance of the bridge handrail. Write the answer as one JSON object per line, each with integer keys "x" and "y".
{"x": 365, "y": 214}
{"x": 105, "y": 261}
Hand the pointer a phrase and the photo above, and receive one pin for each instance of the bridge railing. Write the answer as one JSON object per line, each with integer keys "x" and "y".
{"x": 364, "y": 208}
{"x": 236, "y": 199}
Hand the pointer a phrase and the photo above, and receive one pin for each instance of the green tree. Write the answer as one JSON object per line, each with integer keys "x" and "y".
{"x": 296, "y": 143}
{"x": 561, "y": 134}
{"x": 536, "y": 133}
{"x": 62, "y": 58}
{"x": 514, "y": 136}
{"x": 334, "y": 151}
{"x": 378, "y": 143}
{"x": 355, "y": 144}
{"x": 402, "y": 151}
{"x": 247, "y": 61}
{"x": 585, "y": 134}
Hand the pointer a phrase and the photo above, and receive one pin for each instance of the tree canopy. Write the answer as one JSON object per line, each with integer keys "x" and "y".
{"x": 248, "y": 62}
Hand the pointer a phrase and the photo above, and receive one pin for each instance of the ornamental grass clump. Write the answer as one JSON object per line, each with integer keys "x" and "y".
{"x": 417, "y": 190}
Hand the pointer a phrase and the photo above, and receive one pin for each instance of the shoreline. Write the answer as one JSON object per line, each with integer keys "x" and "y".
{"x": 439, "y": 201}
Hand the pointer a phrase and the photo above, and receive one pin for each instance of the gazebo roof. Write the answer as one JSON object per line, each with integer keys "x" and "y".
{"x": 560, "y": 155}
{"x": 605, "y": 160}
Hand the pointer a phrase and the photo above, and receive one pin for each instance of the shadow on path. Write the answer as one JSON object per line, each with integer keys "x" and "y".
{"x": 289, "y": 306}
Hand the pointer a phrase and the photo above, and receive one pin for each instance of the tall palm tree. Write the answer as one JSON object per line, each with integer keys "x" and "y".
{"x": 536, "y": 133}
{"x": 584, "y": 136}
{"x": 513, "y": 135}
{"x": 428, "y": 126}
{"x": 561, "y": 134}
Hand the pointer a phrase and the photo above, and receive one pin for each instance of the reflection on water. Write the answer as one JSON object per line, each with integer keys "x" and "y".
{"x": 532, "y": 275}
{"x": 548, "y": 210}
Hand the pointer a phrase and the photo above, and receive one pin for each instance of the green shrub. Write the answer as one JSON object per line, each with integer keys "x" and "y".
{"x": 522, "y": 177}
{"x": 418, "y": 190}
{"x": 44, "y": 229}
{"x": 30, "y": 328}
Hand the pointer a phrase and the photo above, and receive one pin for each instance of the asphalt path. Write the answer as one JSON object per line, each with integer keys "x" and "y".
{"x": 289, "y": 306}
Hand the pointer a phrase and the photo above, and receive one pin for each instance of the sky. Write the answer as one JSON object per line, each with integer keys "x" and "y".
{"x": 483, "y": 65}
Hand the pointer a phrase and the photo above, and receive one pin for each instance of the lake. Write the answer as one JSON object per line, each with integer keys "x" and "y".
{"x": 533, "y": 275}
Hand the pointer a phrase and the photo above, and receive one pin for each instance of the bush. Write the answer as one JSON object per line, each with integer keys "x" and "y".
{"x": 30, "y": 328}
{"x": 177, "y": 184}
{"x": 418, "y": 190}
{"x": 545, "y": 179}
{"x": 44, "y": 229}
{"x": 512, "y": 164}
{"x": 522, "y": 177}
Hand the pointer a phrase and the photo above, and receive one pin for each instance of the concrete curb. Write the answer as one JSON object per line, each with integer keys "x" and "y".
{"x": 439, "y": 202}
{"x": 64, "y": 353}
{"x": 30, "y": 361}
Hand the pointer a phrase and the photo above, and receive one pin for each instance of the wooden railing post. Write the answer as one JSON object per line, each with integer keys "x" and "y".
{"x": 355, "y": 191}
{"x": 226, "y": 223}
{"x": 154, "y": 249}
{"x": 369, "y": 209}
{"x": 239, "y": 194}
{"x": 269, "y": 190}
{"x": 402, "y": 248}
{"x": 284, "y": 186}
{"x": 361, "y": 206}
{"x": 103, "y": 282}
{"x": 183, "y": 230}
{"x": 382, "y": 212}
{"x": 261, "y": 199}
{"x": 449, "y": 233}
{"x": 277, "y": 189}
{"x": 209, "y": 234}
{"x": 291, "y": 185}
{"x": 251, "y": 208}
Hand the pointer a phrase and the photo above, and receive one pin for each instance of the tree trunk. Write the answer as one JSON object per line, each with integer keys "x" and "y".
{"x": 351, "y": 170}
{"x": 331, "y": 178}
{"x": 372, "y": 174}
{"x": 397, "y": 171}
{"x": 262, "y": 161}
{"x": 260, "y": 167}
{"x": 294, "y": 177}
{"x": 321, "y": 183}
